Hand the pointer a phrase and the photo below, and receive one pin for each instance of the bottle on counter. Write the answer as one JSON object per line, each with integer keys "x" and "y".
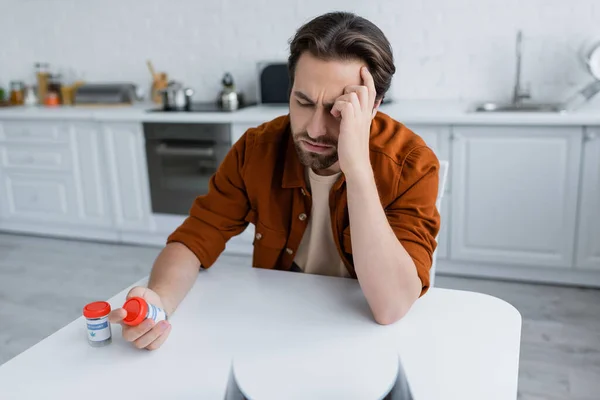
{"x": 138, "y": 310}
{"x": 98, "y": 327}
{"x": 42, "y": 71}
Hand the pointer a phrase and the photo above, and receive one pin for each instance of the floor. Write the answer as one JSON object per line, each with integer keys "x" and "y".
{"x": 44, "y": 282}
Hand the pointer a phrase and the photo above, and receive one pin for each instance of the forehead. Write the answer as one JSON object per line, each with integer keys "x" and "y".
{"x": 315, "y": 75}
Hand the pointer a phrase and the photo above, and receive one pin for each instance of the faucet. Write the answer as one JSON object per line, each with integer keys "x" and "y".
{"x": 519, "y": 93}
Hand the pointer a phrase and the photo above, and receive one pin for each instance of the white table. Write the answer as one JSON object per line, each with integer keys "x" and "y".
{"x": 283, "y": 328}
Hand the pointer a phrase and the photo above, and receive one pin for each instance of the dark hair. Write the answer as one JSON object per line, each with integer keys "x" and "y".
{"x": 344, "y": 36}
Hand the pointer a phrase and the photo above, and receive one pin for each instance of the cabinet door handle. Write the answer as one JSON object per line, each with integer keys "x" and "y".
{"x": 589, "y": 136}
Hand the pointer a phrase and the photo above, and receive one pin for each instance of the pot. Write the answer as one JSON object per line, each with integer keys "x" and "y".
{"x": 176, "y": 97}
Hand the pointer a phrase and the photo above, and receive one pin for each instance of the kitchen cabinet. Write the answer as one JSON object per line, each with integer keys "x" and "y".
{"x": 89, "y": 171}
{"x": 515, "y": 194}
{"x": 588, "y": 244}
{"x": 39, "y": 198}
{"x": 52, "y": 172}
{"x": 128, "y": 176}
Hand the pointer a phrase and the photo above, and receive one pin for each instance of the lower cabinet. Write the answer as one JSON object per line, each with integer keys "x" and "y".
{"x": 128, "y": 176}
{"x": 55, "y": 175}
{"x": 32, "y": 197}
{"x": 588, "y": 237}
{"x": 515, "y": 193}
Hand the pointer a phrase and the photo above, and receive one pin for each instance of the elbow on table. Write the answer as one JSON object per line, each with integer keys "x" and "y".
{"x": 391, "y": 315}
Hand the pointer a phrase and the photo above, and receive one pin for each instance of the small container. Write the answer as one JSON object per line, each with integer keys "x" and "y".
{"x": 52, "y": 99}
{"x": 98, "y": 327}
{"x": 17, "y": 93}
{"x": 138, "y": 310}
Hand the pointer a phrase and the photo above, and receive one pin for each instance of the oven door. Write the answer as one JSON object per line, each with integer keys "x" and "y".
{"x": 180, "y": 169}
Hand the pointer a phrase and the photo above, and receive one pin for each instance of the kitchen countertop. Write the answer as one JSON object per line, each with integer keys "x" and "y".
{"x": 407, "y": 111}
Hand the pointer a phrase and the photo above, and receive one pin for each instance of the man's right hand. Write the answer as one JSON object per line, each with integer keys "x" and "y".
{"x": 146, "y": 335}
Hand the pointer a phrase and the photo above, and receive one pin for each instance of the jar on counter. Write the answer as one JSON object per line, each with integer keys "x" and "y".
{"x": 98, "y": 327}
{"x": 52, "y": 99}
{"x": 17, "y": 93}
{"x": 42, "y": 71}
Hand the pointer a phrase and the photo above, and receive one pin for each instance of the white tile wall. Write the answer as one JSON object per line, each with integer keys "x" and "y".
{"x": 444, "y": 49}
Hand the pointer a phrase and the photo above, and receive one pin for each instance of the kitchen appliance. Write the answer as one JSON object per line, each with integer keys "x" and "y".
{"x": 105, "y": 94}
{"x": 229, "y": 99}
{"x": 181, "y": 159}
{"x": 273, "y": 83}
{"x": 209, "y": 106}
{"x": 176, "y": 97}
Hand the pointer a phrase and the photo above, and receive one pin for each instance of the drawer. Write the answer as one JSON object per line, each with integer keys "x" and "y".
{"x": 35, "y": 158}
{"x": 34, "y": 132}
{"x": 39, "y": 198}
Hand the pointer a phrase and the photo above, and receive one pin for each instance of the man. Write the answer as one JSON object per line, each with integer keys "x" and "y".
{"x": 334, "y": 188}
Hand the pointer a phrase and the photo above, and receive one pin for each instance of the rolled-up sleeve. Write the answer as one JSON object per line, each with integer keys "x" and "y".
{"x": 414, "y": 216}
{"x": 221, "y": 213}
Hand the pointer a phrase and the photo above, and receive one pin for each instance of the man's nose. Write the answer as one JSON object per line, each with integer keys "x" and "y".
{"x": 317, "y": 125}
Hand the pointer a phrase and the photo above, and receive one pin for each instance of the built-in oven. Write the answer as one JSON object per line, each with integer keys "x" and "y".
{"x": 182, "y": 158}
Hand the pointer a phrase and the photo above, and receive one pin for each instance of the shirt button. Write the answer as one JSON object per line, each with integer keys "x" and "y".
{"x": 258, "y": 236}
{"x": 289, "y": 251}
{"x": 302, "y": 217}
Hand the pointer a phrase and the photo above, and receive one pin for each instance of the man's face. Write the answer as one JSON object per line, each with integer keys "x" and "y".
{"x": 317, "y": 84}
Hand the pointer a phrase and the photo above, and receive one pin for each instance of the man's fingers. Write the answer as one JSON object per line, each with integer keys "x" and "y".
{"x": 370, "y": 84}
{"x": 117, "y": 315}
{"x": 342, "y": 108}
{"x": 160, "y": 340}
{"x": 363, "y": 95}
{"x": 132, "y": 333}
{"x": 137, "y": 291}
{"x": 356, "y": 106}
{"x": 152, "y": 335}
{"x": 340, "y": 105}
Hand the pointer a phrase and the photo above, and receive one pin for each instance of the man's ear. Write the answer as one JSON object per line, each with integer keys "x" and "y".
{"x": 375, "y": 108}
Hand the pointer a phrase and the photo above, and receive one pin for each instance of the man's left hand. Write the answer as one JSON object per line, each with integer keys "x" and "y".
{"x": 355, "y": 109}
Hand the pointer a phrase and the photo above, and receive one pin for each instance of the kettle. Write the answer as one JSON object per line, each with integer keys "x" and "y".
{"x": 229, "y": 99}
{"x": 176, "y": 97}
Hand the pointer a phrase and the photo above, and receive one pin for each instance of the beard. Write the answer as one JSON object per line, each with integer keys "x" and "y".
{"x": 312, "y": 160}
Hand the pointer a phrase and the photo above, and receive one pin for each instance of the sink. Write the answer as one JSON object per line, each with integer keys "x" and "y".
{"x": 521, "y": 107}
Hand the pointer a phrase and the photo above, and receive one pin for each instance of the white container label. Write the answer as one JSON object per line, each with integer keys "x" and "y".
{"x": 155, "y": 313}
{"x": 98, "y": 329}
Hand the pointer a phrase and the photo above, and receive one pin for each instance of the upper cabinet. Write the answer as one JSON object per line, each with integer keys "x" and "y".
{"x": 515, "y": 194}
{"x": 588, "y": 243}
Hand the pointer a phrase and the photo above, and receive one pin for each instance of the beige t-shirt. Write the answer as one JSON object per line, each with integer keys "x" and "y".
{"x": 317, "y": 253}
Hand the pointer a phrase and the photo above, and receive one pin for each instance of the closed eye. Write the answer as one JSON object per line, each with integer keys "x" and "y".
{"x": 301, "y": 104}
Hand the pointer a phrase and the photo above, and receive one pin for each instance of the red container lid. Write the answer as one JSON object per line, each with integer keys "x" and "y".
{"x": 97, "y": 309}
{"x": 137, "y": 309}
